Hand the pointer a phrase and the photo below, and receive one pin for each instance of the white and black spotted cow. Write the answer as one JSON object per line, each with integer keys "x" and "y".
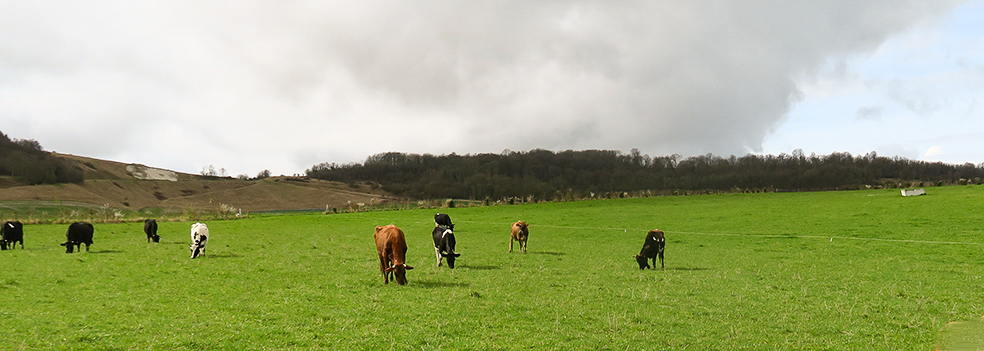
{"x": 443, "y": 220}
{"x": 199, "y": 237}
{"x": 652, "y": 249}
{"x": 444, "y": 245}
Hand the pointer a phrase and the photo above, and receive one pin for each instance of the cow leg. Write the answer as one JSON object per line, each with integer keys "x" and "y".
{"x": 660, "y": 261}
{"x": 523, "y": 245}
{"x": 438, "y": 253}
{"x": 382, "y": 269}
{"x": 86, "y": 247}
{"x": 510, "y": 244}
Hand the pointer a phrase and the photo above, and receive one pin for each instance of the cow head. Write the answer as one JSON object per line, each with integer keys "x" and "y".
{"x": 3, "y": 244}
{"x": 643, "y": 261}
{"x": 156, "y": 238}
{"x": 450, "y": 256}
{"x": 69, "y": 246}
{"x": 399, "y": 271}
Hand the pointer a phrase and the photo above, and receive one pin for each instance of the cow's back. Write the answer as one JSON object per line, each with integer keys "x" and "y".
{"x": 12, "y": 231}
{"x": 199, "y": 229}
{"x": 150, "y": 226}
{"x": 391, "y": 243}
{"x": 80, "y": 232}
{"x": 520, "y": 230}
{"x": 655, "y": 242}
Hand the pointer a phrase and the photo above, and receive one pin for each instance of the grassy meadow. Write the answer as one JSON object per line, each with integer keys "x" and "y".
{"x": 856, "y": 270}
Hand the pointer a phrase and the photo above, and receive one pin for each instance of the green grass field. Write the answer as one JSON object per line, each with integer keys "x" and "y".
{"x": 796, "y": 271}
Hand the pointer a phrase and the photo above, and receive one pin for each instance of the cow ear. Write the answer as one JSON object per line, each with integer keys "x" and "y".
{"x": 407, "y": 267}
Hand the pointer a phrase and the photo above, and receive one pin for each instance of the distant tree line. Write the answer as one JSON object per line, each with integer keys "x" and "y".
{"x": 548, "y": 175}
{"x": 25, "y": 160}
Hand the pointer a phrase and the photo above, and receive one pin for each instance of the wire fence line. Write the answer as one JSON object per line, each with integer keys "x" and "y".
{"x": 783, "y": 236}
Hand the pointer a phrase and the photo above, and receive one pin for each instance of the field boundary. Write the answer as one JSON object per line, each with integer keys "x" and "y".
{"x": 786, "y": 236}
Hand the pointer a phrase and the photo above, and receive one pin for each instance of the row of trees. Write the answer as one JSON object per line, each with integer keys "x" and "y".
{"x": 546, "y": 174}
{"x": 25, "y": 160}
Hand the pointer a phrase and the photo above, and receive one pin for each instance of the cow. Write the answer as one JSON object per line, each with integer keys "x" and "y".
{"x": 199, "y": 237}
{"x": 78, "y": 233}
{"x": 10, "y": 233}
{"x": 443, "y": 220}
{"x": 653, "y": 248}
{"x": 391, "y": 246}
{"x": 520, "y": 233}
{"x": 150, "y": 227}
{"x": 444, "y": 245}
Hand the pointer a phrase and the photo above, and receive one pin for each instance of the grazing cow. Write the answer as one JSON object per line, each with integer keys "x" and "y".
{"x": 655, "y": 243}
{"x": 520, "y": 233}
{"x": 443, "y": 220}
{"x": 78, "y": 233}
{"x": 199, "y": 237}
{"x": 391, "y": 246}
{"x": 444, "y": 245}
{"x": 150, "y": 227}
{"x": 10, "y": 233}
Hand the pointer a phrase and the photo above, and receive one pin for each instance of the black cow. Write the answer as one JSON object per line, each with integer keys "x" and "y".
{"x": 12, "y": 232}
{"x": 150, "y": 227}
{"x": 444, "y": 245}
{"x": 655, "y": 243}
{"x": 443, "y": 220}
{"x": 78, "y": 233}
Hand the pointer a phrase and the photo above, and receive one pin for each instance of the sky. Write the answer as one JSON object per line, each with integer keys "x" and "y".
{"x": 246, "y": 86}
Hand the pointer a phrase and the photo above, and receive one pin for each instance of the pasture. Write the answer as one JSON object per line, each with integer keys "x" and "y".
{"x": 795, "y": 271}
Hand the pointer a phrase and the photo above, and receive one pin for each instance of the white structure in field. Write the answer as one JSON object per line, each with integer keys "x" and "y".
{"x": 913, "y": 192}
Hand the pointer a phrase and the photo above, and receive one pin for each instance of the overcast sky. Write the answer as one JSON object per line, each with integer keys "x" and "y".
{"x": 285, "y": 85}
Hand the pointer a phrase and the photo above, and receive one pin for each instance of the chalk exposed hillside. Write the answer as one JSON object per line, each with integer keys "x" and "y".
{"x": 137, "y": 187}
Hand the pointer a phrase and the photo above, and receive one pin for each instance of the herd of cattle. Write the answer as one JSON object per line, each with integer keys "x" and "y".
{"x": 80, "y": 233}
{"x": 391, "y": 247}
{"x": 391, "y": 243}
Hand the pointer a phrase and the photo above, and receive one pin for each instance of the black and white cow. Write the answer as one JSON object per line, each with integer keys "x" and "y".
{"x": 78, "y": 233}
{"x": 150, "y": 228}
{"x": 444, "y": 245}
{"x": 653, "y": 248}
{"x": 443, "y": 220}
{"x": 10, "y": 233}
{"x": 199, "y": 237}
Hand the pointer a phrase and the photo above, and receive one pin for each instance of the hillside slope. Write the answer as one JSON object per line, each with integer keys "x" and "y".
{"x": 127, "y": 186}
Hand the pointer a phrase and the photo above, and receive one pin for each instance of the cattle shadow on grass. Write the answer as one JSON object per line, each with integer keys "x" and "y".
{"x": 481, "y": 268}
{"x": 547, "y": 253}
{"x": 688, "y": 269}
{"x": 105, "y": 251}
{"x": 228, "y": 255}
{"x": 438, "y": 284}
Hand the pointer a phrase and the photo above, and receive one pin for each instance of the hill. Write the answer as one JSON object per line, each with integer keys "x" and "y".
{"x": 139, "y": 187}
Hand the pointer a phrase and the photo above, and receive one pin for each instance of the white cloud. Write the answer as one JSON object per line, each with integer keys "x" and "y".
{"x": 934, "y": 151}
{"x": 255, "y": 85}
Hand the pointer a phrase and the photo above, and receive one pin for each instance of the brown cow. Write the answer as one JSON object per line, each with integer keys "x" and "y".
{"x": 520, "y": 233}
{"x": 391, "y": 245}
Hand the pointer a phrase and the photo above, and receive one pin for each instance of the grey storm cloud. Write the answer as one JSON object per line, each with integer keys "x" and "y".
{"x": 320, "y": 81}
